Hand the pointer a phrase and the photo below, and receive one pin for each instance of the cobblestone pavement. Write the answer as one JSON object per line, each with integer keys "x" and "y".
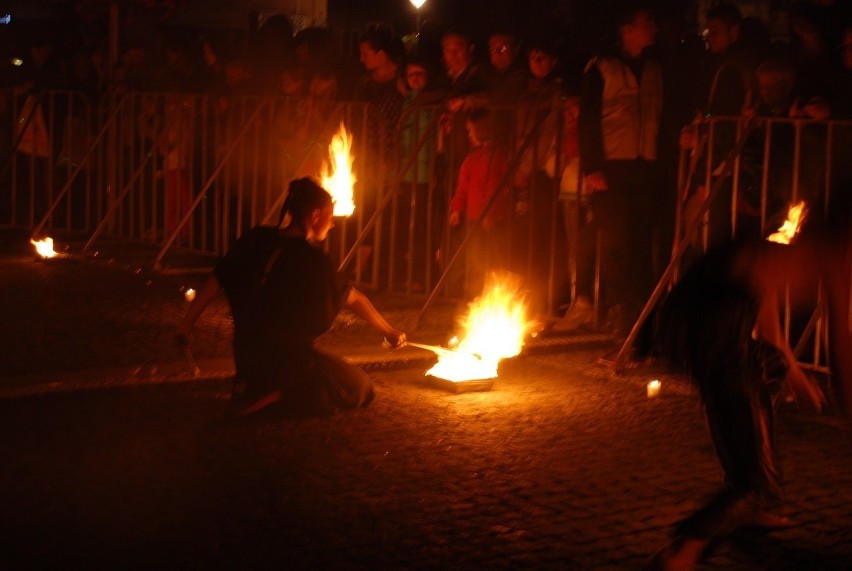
{"x": 562, "y": 465}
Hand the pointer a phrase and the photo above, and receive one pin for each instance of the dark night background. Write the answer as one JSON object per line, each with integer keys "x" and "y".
{"x": 580, "y": 26}
{"x": 576, "y": 20}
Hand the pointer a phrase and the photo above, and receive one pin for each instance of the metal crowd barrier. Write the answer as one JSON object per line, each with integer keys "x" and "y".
{"x": 751, "y": 172}
{"x": 192, "y": 172}
{"x": 442, "y": 263}
{"x": 43, "y": 136}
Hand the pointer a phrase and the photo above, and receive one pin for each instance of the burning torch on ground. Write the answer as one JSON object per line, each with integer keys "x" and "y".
{"x": 44, "y": 250}
{"x": 493, "y": 329}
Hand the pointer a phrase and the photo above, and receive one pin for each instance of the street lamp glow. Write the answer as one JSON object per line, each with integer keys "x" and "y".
{"x": 417, "y": 5}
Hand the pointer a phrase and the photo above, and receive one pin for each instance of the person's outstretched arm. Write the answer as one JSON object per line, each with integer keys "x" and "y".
{"x": 359, "y": 304}
{"x": 205, "y": 295}
{"x": 769, "y": 328}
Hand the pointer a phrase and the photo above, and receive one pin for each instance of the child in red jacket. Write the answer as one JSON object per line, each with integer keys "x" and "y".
{"x": 483, "y": 174}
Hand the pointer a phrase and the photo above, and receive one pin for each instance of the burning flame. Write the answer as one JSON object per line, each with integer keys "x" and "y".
{"x": 340, "y": 182}
{"x": 795, "y": 216}
{"x": 44, "y": 247}
{"x": 494, "y": 329}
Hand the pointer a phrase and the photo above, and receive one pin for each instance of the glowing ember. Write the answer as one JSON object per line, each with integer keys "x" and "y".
{"x": 795, "y": 217}
{"x": 494, "y": 329}
{"x": 340, "y": 182}
{"x": 44, "y": 247}
{"x": 189, "y": 294}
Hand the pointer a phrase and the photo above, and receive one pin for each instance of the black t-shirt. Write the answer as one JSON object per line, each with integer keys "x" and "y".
{"x": 283, "y": 293}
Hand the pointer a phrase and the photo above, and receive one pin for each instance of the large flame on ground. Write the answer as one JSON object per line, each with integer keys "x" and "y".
{"x": 788, "y": 230}
{"x": 44, "y": 247}
{"x": 340, "y": 180}
{"x": 494, "y": 329}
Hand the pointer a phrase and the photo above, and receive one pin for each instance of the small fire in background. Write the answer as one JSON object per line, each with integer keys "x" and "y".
{"x": 339, "y": 181}
{"x": 494, "y": 329}
{"x": 795, "y": 216}
{"x": 189, "y": 294}
{"x": 44, "y": 248}
{"x": 654, "y": 387}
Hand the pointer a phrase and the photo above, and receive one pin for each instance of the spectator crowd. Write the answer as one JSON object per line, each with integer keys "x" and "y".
{"x": 542, "y": 143}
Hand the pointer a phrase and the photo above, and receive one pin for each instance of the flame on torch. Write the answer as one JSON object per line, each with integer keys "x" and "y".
{"x": 494, "y": 329}
{"x": 340, "y": 180}
{"x": 44, "y": 247}
{"x": 795, "y": 216}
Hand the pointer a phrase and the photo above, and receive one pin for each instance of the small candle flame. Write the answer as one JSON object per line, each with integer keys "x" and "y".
{"x": 44, "y": 247}
{"x": 654, "y": 388}
{"x": 189, "y": 294}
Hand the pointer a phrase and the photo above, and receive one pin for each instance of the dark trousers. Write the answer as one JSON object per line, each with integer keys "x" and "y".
{"x": 738, "y": 396}
{"x": 625, "y": 214}
{"x": 311, "y": 382}
{"x": 540, "y": 248}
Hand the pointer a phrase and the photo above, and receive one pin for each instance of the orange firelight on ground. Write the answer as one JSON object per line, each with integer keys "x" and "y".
{"x": 338, "y": 178}
{"x": 788, "y": 230}
{"x": 494, "y": 329}
{"x": 44, "y": 248}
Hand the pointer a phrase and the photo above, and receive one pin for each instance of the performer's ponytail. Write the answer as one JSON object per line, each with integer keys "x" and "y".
{"x": 304, "y": 195}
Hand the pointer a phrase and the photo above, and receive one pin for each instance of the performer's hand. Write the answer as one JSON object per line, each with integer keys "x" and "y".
{"x": 395, "y": 340}
{"x": 806, "y": 391}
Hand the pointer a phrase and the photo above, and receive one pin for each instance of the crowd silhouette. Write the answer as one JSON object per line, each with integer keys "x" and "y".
{"x": 574, "y": 180}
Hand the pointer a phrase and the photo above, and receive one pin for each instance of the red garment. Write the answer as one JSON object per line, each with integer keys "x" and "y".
{"x": 482, "y": 170}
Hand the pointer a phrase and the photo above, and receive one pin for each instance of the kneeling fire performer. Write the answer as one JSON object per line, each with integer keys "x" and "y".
{"x": 721, "y": 324}
{"x": 284, "y": 292}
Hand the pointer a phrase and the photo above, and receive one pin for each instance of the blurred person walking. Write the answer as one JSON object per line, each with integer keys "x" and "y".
{"x": 721, "y": 325}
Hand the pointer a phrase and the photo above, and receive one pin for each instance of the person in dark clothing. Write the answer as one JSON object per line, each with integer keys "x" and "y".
{"x": 466, "y": 77}
{"x": 620, "y": 109}
{"x": 721, "y": 325}
{"x": 381, "y": 55}
{"x": 284, "y": 293}
{"x": 727, "y": 82}
{"x": 506, "y": 77}
{"x": 725, "y": 90}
